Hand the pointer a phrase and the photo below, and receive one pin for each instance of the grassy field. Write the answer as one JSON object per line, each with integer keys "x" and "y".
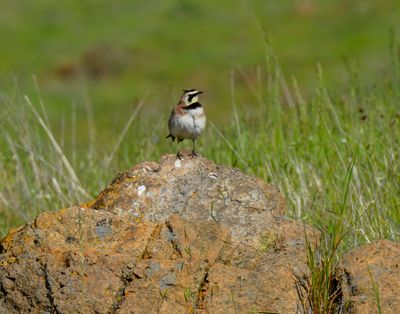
{"x": 306, "y": 146}
{"x": 86, "y": 90}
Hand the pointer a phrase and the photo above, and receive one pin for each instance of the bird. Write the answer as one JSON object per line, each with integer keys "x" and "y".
{"x": 187, "y": 119}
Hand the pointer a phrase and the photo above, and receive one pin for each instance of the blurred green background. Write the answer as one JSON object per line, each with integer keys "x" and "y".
{"x": 112, "y": 53}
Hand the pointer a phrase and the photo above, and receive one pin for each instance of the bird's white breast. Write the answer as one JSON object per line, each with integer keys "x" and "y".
{"x": 189, "y": 125}
{"x": 199, "y": 123}
{"x": 195, "y": 112}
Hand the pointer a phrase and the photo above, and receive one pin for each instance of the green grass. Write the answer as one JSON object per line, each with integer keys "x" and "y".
{"x": 304, "y": 146}
{"x": 319, "y": 290}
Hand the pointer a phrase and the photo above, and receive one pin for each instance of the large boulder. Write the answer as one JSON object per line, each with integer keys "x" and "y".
{"x": 176, "y": 236}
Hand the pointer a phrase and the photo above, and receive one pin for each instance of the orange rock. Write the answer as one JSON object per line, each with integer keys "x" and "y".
{"x": 163, "y": 237}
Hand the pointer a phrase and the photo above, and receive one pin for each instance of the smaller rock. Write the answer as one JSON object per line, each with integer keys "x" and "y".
{"x": 376, "y": 264}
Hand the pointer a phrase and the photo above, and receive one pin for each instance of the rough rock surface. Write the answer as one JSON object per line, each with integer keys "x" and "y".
{"x": 197, "y": 190}
{"x": 169, "y": 237}
{"x": 376, "y": 264}
{"x": 178, "y": 236}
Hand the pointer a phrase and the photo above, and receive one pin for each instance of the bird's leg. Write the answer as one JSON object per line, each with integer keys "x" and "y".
{"x": 178, "y": 154}
{"x": 194, "y": 151}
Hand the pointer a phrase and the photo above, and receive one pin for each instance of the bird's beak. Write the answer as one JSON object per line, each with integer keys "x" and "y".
{"x": 199, "y": 92}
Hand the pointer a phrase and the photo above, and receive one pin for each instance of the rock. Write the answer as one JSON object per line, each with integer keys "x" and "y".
{"x": 197, "y": 190}
{"x": 376, "y": 264}
{"x": 169, "y": 237}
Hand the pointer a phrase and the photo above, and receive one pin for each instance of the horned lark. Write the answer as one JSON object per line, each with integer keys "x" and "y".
{"x": 187, "y": 119}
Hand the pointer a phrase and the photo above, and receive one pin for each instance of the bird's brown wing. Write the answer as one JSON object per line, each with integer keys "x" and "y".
{"x": 170, "y": 119}
{"x": 169, "y": 125}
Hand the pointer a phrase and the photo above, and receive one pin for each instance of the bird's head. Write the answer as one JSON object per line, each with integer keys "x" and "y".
{"x": 190, "y": 96}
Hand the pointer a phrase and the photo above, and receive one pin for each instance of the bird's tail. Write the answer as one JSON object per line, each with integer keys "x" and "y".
{"x": 171, "y": 136}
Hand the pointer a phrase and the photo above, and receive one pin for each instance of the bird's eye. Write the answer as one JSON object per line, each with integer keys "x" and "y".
{"x": 190, "y": 97}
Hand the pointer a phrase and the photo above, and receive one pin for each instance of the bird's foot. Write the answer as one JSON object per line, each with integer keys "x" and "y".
{"x": 179, "y": 155}
{"x": 193, "y": 154}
